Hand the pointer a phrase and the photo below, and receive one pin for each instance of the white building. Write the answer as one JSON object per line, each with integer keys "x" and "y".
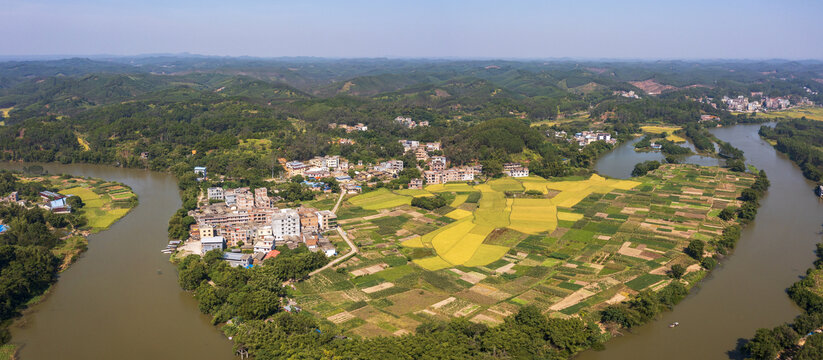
{"x": 285, "y": 223}
{"x": 212, "y": 243}
{"x": 326, "y": 220}
{"x": 216, "y": 193}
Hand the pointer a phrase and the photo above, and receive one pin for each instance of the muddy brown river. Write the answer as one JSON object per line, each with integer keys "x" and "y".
{"x": 121, "y": 300}
{"x": 747, "y": 291}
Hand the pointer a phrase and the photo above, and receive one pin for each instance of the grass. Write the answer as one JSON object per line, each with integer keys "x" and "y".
{"x": 380, "y": 199}
{"x": 7, "y": 351}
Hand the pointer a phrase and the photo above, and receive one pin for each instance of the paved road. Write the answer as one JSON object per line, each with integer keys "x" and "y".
{"x": 345, "y": 238}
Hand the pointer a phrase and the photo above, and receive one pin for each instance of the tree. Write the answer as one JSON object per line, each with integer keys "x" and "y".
{"x": 492, "y": 167}
{"x": 764, "y": 346}
{"x": 695, "y": 249}
{"x": 727, "y": 213}
{"x": 75, "y": 202}
{"x": 677, "y": 271}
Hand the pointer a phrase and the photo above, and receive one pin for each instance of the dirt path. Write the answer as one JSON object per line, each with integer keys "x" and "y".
{"x": 339, "y": 201}
{"x": 345, "y": 238}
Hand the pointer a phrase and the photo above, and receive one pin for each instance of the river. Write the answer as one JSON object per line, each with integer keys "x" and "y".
{"x": 747, "y": 291}
{"x": 121, "y": 300}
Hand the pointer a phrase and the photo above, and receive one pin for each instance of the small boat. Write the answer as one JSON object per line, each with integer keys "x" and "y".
{"x": 167, "y": 251}
{"x": 674, "y": 324}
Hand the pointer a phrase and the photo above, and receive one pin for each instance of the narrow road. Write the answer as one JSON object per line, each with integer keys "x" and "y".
{"x": 342, "y": 258}
{"x": 339, "y": 201}
{"x": 345, "y": 238}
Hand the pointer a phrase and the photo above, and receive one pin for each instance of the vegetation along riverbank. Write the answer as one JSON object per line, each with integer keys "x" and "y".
{"x": 44, "y": 221}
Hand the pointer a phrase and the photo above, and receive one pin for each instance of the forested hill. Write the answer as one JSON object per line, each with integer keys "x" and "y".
{"x": 239, "y": 115}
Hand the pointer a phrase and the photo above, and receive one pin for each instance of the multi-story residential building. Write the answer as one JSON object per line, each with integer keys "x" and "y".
{"x": 206, "y": 231}
{"x": 437, "y": 163}
{"x": 294, "y": 168}
{"x": 215, "y": 193}
{"x": 517, "y": 172}
{"x": 416, "y": 184}
{"x": 285, "y": 223}
{"x": 308, "y": 219}
{"x": 421, "y": 154}
{"x": 433, "y": 146}
{"x": 326, "y": 220}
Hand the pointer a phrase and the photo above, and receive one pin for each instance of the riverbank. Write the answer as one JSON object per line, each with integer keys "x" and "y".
{"x": 123, "y": 283}
{"x": 746, "y": 291}
{"x": 72, "y": 221}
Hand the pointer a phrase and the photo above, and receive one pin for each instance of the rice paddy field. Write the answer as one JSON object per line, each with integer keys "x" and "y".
{"x": 652, "y": 129}
{"x": 105, "y": 202}
{"x": 580, "y": 245}
{"x": 811, "y": 113}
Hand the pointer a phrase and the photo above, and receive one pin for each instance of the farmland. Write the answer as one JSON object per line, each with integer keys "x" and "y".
{"x": 584, "y": 243}
{"x": 105, "y": 202}
{"x": 811, "y": 113}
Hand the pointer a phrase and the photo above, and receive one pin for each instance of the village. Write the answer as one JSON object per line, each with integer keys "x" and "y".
{"x": 247, "y": 225}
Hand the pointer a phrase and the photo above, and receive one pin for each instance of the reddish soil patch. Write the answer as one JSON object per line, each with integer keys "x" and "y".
{"x": 652, "y": 87}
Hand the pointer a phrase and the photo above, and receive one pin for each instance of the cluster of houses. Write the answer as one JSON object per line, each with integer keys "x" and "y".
{"x": 52, "y": 201}
{"x": 318, "y": 167}
{"x": 742, "y": 103}
{"x": 245, "y": 218}
{"x": 421, "y": 150}
{"x": 515, "y": 170}
{"x": 349, "y": 128}
{"x": 587, "y": 137}
{"x": 409, "y": 123}
{"x": 627, "y": 94}
{"x": 49, "y": 200}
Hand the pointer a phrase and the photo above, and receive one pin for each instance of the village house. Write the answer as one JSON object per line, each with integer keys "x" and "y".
{"x": 238, "y": 259}
{"x": 215, "y": 193}
{"x": 326, "y": 220}
{"x": 437, "y": 163}
{"x": 285, "y": 223}
{"x": 212, "y": 243}
{"x": 416, "y": 184}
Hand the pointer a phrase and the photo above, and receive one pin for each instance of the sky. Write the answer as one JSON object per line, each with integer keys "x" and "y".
{"x": 591, "y": 29}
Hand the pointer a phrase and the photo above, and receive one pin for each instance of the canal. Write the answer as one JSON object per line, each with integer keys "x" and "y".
{"x": 121, "y": 300}
{"x": 747, "y": 291}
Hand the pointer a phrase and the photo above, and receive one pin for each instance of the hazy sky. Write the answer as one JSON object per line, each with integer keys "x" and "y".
{"x": 417, "y": 28}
